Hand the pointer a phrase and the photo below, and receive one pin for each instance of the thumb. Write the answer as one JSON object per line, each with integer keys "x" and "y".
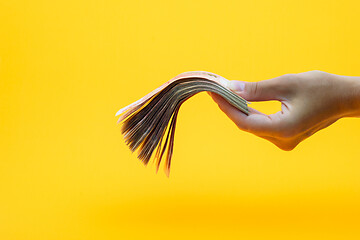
{"x": 257, "y": 91}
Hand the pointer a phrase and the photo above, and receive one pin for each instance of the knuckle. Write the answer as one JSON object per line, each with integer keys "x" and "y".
{"x": 222, "y": 108}
{"x": 288, "y": 76}
{"x": 287, "y": 147}
{"x": 243, "y": 127}
{"x": 316, "y": 72}
{"x": 253, "y": 89}
{"x": 288, "y": 81}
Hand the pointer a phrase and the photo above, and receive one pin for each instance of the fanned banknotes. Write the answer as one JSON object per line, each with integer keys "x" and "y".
{"x": 148, "y": 125}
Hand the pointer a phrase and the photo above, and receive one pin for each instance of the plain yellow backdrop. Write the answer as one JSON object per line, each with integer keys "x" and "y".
{"x": 66, "y": 67}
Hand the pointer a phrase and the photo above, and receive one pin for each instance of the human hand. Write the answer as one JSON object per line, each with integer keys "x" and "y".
{"x": 310, "y": 101}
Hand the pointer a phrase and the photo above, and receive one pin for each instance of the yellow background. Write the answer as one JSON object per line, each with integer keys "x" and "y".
{"x": 66, "y": 67}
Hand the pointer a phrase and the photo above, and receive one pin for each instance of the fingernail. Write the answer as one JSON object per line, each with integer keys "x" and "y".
{"x": 237, "y": 86}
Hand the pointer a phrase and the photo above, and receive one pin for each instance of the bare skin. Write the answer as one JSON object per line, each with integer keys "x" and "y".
{"x": 310, "y": 101}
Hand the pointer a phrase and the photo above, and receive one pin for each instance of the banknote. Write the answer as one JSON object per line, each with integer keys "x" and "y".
{"x": 148, "y": 124}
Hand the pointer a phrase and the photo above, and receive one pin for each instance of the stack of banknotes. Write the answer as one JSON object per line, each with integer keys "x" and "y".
{"x": 148, "y": 125}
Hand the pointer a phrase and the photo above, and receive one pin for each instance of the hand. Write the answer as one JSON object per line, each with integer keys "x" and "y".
{"x": 310, "y": 101}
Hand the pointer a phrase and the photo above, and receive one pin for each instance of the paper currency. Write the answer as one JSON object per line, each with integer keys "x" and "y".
{"x": 148, "y": 125}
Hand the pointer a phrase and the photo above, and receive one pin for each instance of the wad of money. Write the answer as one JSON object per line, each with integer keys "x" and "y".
{"x": 148, "y": 125}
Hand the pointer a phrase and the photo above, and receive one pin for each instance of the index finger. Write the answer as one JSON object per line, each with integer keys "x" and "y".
{"x": 256, "y": 122}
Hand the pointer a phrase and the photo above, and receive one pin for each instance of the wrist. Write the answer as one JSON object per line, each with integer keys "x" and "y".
{"x": 349, "y": 101}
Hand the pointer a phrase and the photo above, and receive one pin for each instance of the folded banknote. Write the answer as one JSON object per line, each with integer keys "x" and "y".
{"x": 148, "y": 125}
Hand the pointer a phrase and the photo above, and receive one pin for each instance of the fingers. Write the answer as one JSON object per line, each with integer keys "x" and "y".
{"x": 256, "y": 122}
{"x": 271, "y": 89}
{"x": 264, "y": 126}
